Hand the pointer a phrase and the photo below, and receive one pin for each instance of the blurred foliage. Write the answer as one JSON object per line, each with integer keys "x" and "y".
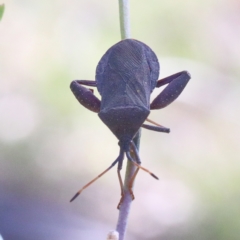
{"x": 2, "y": 7}
{"x": 50, "y": 145}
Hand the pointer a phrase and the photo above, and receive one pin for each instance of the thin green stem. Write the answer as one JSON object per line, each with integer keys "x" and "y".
{"x": 124, "y": 18}
{"x": 127, "y": 200}
{"x": 126, "y": 204}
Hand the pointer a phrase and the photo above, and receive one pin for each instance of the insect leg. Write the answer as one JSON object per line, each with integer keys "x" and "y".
{"x": 87, "y": 83}
{"x": 151, "y": 121}
{"x": 121, "y": 183}
{"x": 130, "y": 185}
{"x": 135, "y": 151}
{"x": 119, "y": 158}
{"x": 137, "y": 158}
{"x": 160, "y": 129}
{"x": 85, "y": 96}
{"x": 156, "y": 128}
{"x": 131, "y": 181}
{"x": 139, "y": 166}
{"x": 176, "y": 84}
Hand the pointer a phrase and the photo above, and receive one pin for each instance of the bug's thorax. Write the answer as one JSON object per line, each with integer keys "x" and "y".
{"x": 127, "y": 74}
{"x": 124, "y": 122}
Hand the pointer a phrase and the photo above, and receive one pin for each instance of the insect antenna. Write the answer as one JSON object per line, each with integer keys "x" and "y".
{"x": 119, "y": 158}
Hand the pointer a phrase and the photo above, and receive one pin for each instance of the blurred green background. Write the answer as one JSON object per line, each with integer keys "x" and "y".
{"x": 50, "y": 145}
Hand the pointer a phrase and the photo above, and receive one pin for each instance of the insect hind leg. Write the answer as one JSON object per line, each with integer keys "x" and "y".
{"x": 119, "y": 159}
{"x": 138, "y": 162}
{"x": 156, "y": 128}
{"x": 120, "y": 180}
{"x": 130, "y": 184}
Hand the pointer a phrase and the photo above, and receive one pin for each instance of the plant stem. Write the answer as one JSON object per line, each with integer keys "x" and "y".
{"x": 130, "y": 169}
{"x": 126, "y": 204}
{"x": 124, "y": 18}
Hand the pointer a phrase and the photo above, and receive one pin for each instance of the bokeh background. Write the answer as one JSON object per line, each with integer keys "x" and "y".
{"x": 50, "y": 145}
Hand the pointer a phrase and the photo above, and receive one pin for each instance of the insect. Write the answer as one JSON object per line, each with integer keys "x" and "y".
{"x": 125, "y": 78}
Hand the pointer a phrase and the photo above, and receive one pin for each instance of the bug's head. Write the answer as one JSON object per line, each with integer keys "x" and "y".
{"x": 124, "y": 144}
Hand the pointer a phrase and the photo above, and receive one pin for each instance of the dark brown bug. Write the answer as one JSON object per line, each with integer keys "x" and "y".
{"x": 125, "y": 77}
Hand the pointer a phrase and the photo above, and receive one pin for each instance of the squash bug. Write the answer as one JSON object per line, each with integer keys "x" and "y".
{"x": 125, "y": 78}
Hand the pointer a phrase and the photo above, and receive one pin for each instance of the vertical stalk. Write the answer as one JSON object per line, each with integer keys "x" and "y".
{"x": 130, "y": 169}
{"x": 127, "y": 201}
{"x": 124, "y": 18}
